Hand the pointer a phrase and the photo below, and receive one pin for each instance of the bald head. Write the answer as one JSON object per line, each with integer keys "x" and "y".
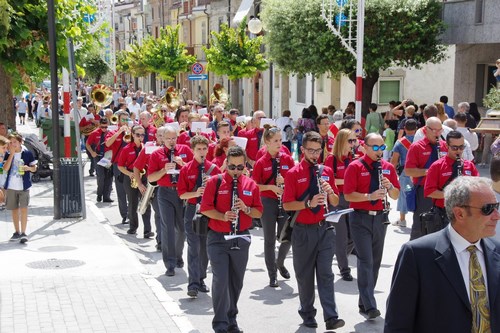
{"x": 450, "y": 123}
{"x": 432, "y": 121}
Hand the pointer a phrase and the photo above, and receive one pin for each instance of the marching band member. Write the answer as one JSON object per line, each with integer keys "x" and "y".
{"x": 217, "y": 117}
{"x": 161, "y": 162}
{"x": 269, "y": 172}
{"x": 421, "y": 155}
{"x": 181, "y": 116}
{"x": 96, "y": 146}
{"x": 446, "y": 169}
{"x": 128, "y": 155}
{"x": 370, "y": 179}
{"x": 141, "y": 163}
{"x": 312, "y": 244}
{"x": 149, "y": 129}
{"x": 223, "y": 131}
{"x": 355, "y": 126}
{"x": 192, "y": 179}
{"x": 254, "y": 137}
{"x": 227, "y": 260}
{"x": 115, "y": 143}
{"x": 212, "y": 136}
{"x": 185, "y": 137}
{"x": 338, "y": 161}
{"x": 220, "y": 152}
{"x": 262, "y": 151}
{"x": 326, "y": 140}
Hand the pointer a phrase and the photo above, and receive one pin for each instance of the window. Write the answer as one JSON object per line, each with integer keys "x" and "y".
{"x": 479, "y": 12}
{"x": 320, "y": 84}
{"x": 276, "y": 79}
{"x": 204, "y": 33}
{"x": 301, "y": 90}
{"x": 389, "y": 89}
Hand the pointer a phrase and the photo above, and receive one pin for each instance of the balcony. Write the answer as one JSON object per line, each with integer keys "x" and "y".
{"x": 471, "y": 22}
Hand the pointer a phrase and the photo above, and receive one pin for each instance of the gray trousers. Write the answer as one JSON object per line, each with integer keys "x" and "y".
{"x": 423, "y": 205}
{"x": 104, "y": 179}
{"x": 172, "y": 226}
{"x": 270, "y": 221}
{"x": 228, "y": 270}
{"x": 343, "y": 241}
{"x": 156, "y": 208}
{"x": 313, "y": 249}
{"x": 120, "y": 193}
{"x": 368, "y": 234}
{"x": 133, "y": 197}
{"x": 197, "y": 256}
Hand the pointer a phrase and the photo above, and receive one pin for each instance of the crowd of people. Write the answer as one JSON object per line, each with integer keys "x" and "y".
{"x": 208, "y": 185}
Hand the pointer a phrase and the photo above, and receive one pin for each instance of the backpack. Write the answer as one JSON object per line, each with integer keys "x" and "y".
{"x": 288, "y": 133}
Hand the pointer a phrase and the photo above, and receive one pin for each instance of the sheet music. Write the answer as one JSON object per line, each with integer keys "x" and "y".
{"x": 247, "y": 238}
{"x": 334, "y": 216}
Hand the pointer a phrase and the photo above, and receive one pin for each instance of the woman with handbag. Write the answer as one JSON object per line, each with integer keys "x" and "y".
{"x": 269, "y": 172}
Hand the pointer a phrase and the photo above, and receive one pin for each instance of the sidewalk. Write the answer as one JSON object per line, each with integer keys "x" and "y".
{"x": 75, "y": 275}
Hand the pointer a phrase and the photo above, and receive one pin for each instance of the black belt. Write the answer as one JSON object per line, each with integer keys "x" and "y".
{"x": 369, "y": 212}
{"x": 243, "y": 232}
{"x": 170, "y": 187}
{"x": 310, "y": 225}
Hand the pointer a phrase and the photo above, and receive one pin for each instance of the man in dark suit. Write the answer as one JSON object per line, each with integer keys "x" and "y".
{"x": 432, "y": 289}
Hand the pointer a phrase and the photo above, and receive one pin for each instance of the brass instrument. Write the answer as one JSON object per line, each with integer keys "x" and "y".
{"x": 219, "y": 94}
{"x": 171, "y": 98}
{"x": 134, "y": 182}
{"x": 101, "y": 95}
{"x": 87, "y": 129}
{"x": 114, "y": 120}
{"x": 158, "y": 119}
{"x": 127, "y": 136}
{"x": 385, "y": 202}
{"x": 280, "y": 197}
{"x": 146, "y": 198}
{"x": 235, "y": 225}
{"x": 329, "y": 225}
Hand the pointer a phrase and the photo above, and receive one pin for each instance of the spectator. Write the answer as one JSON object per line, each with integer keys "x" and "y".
{"x": 448, "y": 109}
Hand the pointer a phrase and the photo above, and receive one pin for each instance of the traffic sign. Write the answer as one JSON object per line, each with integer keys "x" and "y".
{"x": 193, "y": 77}
{"x": 197, "y": 68}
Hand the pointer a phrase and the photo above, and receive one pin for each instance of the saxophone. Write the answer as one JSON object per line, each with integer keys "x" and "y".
{"x": 385, "y": 202}
{"x": 134, "y": 183}
{"x": 235, "y": 223}
{"x": 146, "y": 198}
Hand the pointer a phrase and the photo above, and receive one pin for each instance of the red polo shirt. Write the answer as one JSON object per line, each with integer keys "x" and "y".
{"x": 116, "y": 146}
{"x": 248, "y": 191}
{"x": 297, "y": 182}
{"x": 253, "y": 142}
{"x": 341, "y": 168}
{"x": 419, "y": 153}
{"x": 189, "y": 176}
{"x": 93, "y": 140}
{"x": 262, "y": 151}
{"x": 358, "y": 180}
{"x": 439, "y": 173}
{"x": 263, "y": 169}
{"x": 150, "y": 131}
{"x": 160, "y": 157}
{"x": 211, "y": 151}
{"x": 185, "y": 138}
{"x": 84, "y": 121}
{"x": 142, "y": 160}
{"x": 128, "y": 155}
{"x": 219, "y": 160}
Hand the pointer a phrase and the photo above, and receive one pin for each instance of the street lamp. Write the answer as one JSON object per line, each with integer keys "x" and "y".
{"x": 255, "y": 26}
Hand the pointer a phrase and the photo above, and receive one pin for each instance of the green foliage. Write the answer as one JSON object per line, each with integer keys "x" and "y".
{"x": 234, "y": 54}
{"x": 492, "y": 99}
{"x": 24, "y": 36}
{"x": 95, "y": 67}
{"x": 397, "y": 33}
{"x": 132, "y": 62}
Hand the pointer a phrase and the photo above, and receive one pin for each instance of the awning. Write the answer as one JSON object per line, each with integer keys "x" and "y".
{"x": 245, "y": 7}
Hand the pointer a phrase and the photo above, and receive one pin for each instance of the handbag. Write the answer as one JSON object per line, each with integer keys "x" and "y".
{"x": 433, "y": 220}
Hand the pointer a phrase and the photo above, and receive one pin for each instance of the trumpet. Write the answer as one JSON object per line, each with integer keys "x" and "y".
{"x": 101, "y": 95}
{"x": 134, "y": 183}
{"x": 235, "y": 225}
{"x": 146, "y": 198}
{"x": 114, "y": 120}
{"x": 321, "y": 191}
{"x": 127, "y": 136}
{"x": 385, "y": 202}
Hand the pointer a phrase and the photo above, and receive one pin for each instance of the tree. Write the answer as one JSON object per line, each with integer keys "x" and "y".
{"x": 234, "y": 54}
{"x": 24, "y": 54}
{"x": 397, "y": 33}
{"x": 95, "y": 67}
{"x": 132, "y": 62}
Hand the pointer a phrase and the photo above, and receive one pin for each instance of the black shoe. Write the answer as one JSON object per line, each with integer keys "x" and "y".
{"x": 192, "y": 292}
{"x": 180, "y": 263}
{"x": 362, "y": 309}
{"x": 108, "y": 200}
{"x": 203, "y": 287}
{"x": 310, "y": 322}
{"x": 334, "y": 323}
{"x": 347, "y": 277}
{"x": 99, "y": 198}
{"x": 233, "y": 329}
{"x": 170, "y": 272}
{"x": 23, "y": 238}
{"x": 124, "y": 220}
{"x": 15, "y": 237}
{"x": 273, "y": 283}
{"x": 91, "y": 174}
{"x": 149, "y": 234}
{"x": 131, "y": 232}
{"x": 373, "y": 313}
{"x": 158, "y": 247}
{"x": 284, "y": 272}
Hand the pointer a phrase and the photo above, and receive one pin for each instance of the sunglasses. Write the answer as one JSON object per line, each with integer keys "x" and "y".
{"x": 377, "y": 148}
{"x": 104, "y": 127}
{"x": 140, "y": 135}
{"x": 455, "y": 148}
{"x": 487, "y": 209}
{"x": 233, "y": 167}
{"x": 313, "y": 151}
{"x": 352, "y": 140}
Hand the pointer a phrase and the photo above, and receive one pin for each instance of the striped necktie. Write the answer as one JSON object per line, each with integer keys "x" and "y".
{"x": 478, "y": 298}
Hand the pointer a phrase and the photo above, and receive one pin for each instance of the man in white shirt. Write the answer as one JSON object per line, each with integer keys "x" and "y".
{"x": 467, "y": 154}
{"x": 432, "y": 288}
{"x": 282, "y": 122}
{"x": 134, "y": 108}
{"x": 471, "y": 137}
{"x": 82, "y": 111}
{"x": 430, "y": 111}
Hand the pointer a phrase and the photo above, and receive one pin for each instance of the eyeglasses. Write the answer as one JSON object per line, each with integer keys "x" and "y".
{"x": 124, "y": 120}
{"x": 104, "y": 127}
{"x": 455, "y": 148}
{"x": 437, "y": 130}
{"x": 377, "y": 148}
{"x": 140, "y": 135}
{"x": 487, "y": 209}
{"x": 233, "y": 167}
{"x": 261, "y": 117}
{"x": 352, "y": 140}
{"x": 314, "y": 151}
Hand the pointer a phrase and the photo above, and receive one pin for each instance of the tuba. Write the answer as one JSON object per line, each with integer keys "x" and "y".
{"x": 171, "y": 98}
{"x": 220, "y": 93}
{"x": 158, "y": 119}
{"x": 101, "y": 95}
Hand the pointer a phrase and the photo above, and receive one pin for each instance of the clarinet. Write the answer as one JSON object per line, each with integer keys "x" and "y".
{"x": 203, "y": 182}
{"x": 172, "y": 155}
{"x": 235, "y": 224}
{"x": 460, "y": 166}
{"x": 318, "y": 179}
{"x": 280, "y": 197}
{"x": 353, "y": 152}
{"x": 385, "y": 202}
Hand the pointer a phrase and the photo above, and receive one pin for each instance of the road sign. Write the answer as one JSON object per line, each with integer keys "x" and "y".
{"x": 197, "y": 68}
{"x": 193, "y": 77}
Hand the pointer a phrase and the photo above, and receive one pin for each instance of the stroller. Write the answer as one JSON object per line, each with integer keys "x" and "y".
{"x": 41, "y": 154}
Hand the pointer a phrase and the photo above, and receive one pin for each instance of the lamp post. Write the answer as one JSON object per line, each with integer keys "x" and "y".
{"x": 255, "y": 28}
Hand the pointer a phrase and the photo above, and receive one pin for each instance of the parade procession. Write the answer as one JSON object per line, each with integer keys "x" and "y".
{"x": 207, "y": 177}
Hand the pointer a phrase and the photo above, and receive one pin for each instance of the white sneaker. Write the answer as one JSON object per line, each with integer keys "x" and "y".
{"x": 400, "y": 223}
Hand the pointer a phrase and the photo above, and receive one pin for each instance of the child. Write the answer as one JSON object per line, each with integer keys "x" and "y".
{"x": 3, "y": 148}
{"x": 389, "y": 136}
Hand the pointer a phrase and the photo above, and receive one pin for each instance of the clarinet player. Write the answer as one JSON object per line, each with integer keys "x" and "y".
{"x": 228, "y": 261}
{"x": 366, "y": 189}
{"x": 313, "y": 245}
{"x": 269, "y": 172}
